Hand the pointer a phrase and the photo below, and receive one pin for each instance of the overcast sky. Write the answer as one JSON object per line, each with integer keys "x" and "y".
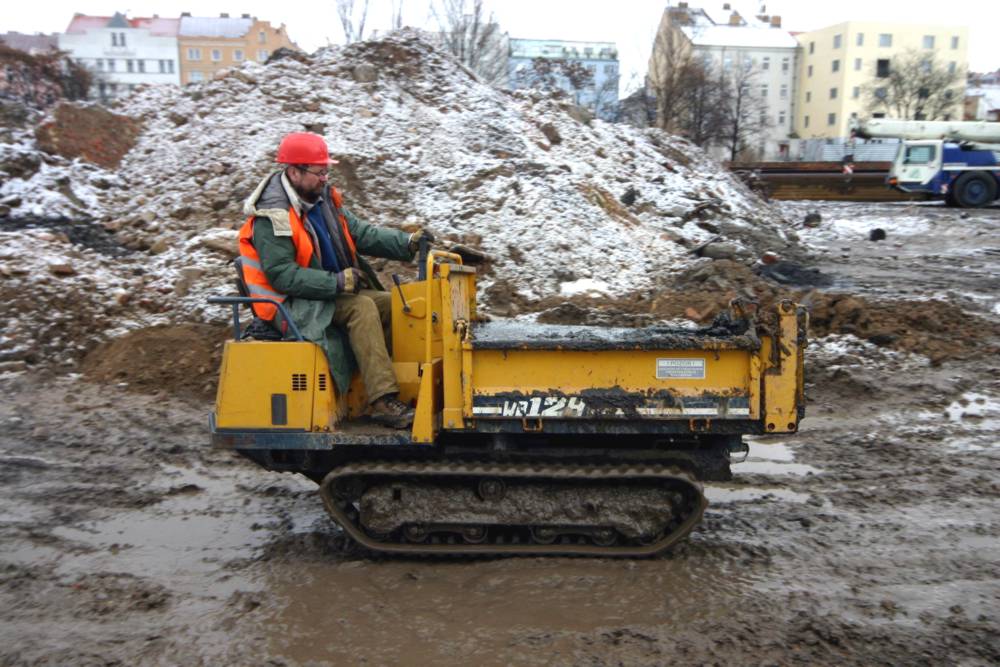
{"x": 629, "y": 23}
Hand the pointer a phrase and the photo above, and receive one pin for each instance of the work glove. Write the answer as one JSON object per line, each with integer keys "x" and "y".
{"x": 415, "y": 237}
{"x": 349, "y": 281}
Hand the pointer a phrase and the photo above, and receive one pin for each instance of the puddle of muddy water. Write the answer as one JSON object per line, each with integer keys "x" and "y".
{"x": 182, "y": 542}
{"x": 768, "y": 457}
{"x": 720, "y": 493}
{"x": 487, "y": 610}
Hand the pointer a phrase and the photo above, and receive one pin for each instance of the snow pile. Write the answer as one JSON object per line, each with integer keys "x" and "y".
{"x": 563, "y": 204}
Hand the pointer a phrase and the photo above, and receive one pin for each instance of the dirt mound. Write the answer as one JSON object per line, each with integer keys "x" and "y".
{"x": 177, "y": 360}
{"x": 89, "y": 132}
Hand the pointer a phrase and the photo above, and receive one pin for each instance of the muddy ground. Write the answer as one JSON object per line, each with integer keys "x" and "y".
{"x": 870, "y": 537}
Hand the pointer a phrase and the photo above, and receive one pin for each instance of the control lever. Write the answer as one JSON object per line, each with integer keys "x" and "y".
{"x": 395, "y": 279}
{"x": 422, "y": 258}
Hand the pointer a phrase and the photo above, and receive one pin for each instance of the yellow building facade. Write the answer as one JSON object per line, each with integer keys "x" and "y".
{"x": 837, "y": 62}
{"x": 208, "y": 45}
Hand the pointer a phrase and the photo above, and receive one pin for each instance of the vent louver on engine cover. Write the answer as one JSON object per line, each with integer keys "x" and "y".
{"x": 299, "y": 382}
{"x": 321, "y": 384}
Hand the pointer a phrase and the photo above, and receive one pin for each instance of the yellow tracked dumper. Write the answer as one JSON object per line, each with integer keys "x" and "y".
{"x": 528, "y": 438}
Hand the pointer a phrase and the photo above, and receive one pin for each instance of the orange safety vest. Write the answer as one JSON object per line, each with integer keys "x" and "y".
{"x": 253, "y": 273}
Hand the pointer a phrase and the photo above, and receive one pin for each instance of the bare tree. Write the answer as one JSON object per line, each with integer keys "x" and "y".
{"x": 669, "y": 76}
{"x": 745, "y": 109}
{"x": 915, "y": 86}
{"x": 354, "y": 26}
{"x": 701, "y": 115}
{"x": 473, "y": 36}
{"x": 396, "y": 18}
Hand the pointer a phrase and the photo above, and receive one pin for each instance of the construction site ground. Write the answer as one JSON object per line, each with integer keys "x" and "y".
{"x": 870, "y": 537}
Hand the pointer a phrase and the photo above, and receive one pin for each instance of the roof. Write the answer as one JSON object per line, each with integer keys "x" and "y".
{"x": 29, "y": 43}
{"x": 990, "y": 95}
{"x": 226, "y": 27}
{"x": 740, "y": 36}
{"x": 82, "y": 23}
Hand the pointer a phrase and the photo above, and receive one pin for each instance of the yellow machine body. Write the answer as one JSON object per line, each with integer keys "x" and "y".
{"x": 458, "y": 383}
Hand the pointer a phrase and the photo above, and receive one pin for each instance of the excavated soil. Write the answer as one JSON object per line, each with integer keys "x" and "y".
{"x": 869, "y": 537}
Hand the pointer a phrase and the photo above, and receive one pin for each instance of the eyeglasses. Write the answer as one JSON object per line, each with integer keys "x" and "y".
{"x": 323, "y": 173}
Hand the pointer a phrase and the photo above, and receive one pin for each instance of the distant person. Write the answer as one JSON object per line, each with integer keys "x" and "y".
{"x": 300, "y": 246}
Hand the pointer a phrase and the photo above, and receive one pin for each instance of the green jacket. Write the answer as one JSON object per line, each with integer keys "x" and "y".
{"x": 311, "y": 290}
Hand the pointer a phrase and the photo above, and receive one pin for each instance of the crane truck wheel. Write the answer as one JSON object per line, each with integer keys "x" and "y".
{"x": 975, "y": 189}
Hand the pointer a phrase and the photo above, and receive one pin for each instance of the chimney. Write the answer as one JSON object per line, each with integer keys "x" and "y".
{"x": 187, "y": 14}
{"x": 682, "y": 5}
{"x": 735, "y": 19}
{"x": 224, "y": 15}
{"x": 775, "y": 21}
{"x": 246, "y": 16}
{"x": 156, "y": 16}
{"x": 726, "y": 7}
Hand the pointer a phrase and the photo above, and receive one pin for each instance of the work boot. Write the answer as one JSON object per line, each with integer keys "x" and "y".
{"x": 390, "y": 411}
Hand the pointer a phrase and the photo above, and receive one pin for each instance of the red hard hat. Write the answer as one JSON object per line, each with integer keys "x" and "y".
{"x": 304, "y": 148}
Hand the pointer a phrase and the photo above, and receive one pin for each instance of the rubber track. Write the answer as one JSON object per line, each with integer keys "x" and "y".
{"x": 401, "y": 470}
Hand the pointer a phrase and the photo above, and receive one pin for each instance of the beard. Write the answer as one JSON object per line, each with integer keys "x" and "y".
{"x": 310, "y": 195}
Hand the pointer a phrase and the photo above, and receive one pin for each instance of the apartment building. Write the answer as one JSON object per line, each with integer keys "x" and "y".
{"x": 725, "y": 40}
{"x": 208, "y": 45}
{"x": 122, "y": 52}
{"x": 600, "y": 58}
{"x": 838, "y": 61}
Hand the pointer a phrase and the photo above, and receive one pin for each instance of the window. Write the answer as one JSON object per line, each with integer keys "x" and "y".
{"x": 262, "y": 55}
{"x": 194, "y": 54}
{"x": 882, "y": 68}
{"x": 856, "y": 92}
{"x": 805, "y": 121}
{"x": 880, "y": 93}
{"x": 763, "y": 90}
{"x": 861, "y": 39}
{"x": 812, "y": 47}
{"x": 784, "y": 91}
{"x": 831, "y": 119}
{"x": 121, "y": 39}
{"x": 885, "y": 39}
{"x": 919, "y": 154}
{"x": 163, "y": 65}
{"x": 952, "y": 66}
{"x": 925, "y": 66}
{"x": 114, "y": 39}
{"x": 195, "y": 76}
{"x": 928, "y": 41}
{"x": 238, "y": 55}
{"x": 609, "y": 70}
{"x": 836, "y": 65}
{"x": 954, "y": 42}
{"x": 216, "y": 55}
{"x": 129, "y": 65}
{"x": 857, "y": 64}
{"x": 765, "y": 63}
{"x": 784, "y": 64}
{"x": 809, "y": 96}
{"x": 111, "y": 64}
{"x": 879, "y": 114}
{"x": 100, "y": 64}
{"x": 727, "y": 62}
{"x": 809, "y": 71}
{"x": 837, "y": 39}
{"x": 261, "y": 37}
{"x": 170, "y": 66}
{"x": 781, "y": 118}
{"x": 141, "y": 65}
{"x": 833, "y": 93}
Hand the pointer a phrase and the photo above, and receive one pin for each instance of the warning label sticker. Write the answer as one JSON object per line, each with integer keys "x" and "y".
{"x": 691, "y": 369}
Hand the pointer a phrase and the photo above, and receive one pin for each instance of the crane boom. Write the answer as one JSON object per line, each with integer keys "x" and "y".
{"x": 948, "y": 130}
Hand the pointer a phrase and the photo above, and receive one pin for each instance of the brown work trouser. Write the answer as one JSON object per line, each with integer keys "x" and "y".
{"x": 366, "y": 317}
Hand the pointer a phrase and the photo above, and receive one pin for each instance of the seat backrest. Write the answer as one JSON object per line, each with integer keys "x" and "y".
{"x": 241, "y": 283}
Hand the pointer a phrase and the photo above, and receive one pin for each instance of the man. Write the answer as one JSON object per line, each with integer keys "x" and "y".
{"x": 300, "y": 246}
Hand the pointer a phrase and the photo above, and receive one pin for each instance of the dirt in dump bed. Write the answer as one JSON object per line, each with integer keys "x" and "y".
{"x": 935, "y": 328}
{"x": 178, "y": 360}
